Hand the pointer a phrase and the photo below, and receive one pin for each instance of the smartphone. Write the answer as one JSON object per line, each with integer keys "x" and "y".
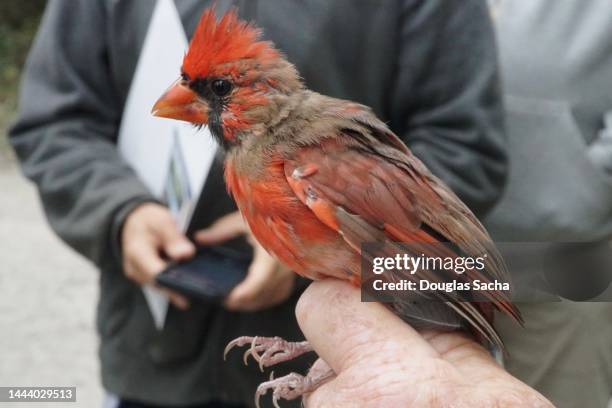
{"x": 209, "y": 276}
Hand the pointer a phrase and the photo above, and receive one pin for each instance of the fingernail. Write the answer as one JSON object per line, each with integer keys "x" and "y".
{"x": 184, "y": 247}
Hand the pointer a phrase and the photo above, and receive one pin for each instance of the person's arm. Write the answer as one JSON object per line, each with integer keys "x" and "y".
{"x": 67, "y": 127}
{"x": 447, "y": 98}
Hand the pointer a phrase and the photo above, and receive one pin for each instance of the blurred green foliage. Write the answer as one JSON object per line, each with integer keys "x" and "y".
{"x": 18, "y": 22}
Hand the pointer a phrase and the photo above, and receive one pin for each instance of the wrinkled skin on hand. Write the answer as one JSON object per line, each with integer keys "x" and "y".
{"x": 382, "y": 362}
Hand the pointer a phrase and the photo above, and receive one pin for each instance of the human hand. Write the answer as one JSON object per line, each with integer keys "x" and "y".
{"x": 267, "y": 283}
{"x": 148, "y": 233}
{"x": 380, "y": 361}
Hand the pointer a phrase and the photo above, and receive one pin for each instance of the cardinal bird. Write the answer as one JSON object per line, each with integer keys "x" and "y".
{"x": 315, "y": 177}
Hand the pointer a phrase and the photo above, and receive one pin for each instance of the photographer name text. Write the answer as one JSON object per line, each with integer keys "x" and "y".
{"x": 404, "y": 265}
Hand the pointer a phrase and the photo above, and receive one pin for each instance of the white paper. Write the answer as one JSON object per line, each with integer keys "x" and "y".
{"x": 149, "y": 143}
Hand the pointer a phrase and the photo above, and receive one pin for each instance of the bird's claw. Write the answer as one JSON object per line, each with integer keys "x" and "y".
{"x": 268, "y": 351}
{"x": 288, "y": 387}
{"x": 239, "y": 342}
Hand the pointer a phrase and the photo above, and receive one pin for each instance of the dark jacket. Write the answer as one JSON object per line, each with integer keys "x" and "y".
{"x": 428, "y": 68}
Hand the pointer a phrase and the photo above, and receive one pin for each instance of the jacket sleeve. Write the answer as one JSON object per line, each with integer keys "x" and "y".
{"x": 66, "y": 131}
{"x": 447, "y": 96}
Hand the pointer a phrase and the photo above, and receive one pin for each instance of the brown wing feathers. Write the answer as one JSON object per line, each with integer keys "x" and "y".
{"x": 381, "y": 194}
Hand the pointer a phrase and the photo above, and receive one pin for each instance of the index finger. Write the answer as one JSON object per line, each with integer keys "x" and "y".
{"x": 345, "y": 331}
{"x": 227, "y": 227}
{"x": 146, "y": 261}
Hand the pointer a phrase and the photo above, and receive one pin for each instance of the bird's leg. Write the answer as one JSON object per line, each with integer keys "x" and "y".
{"x": 273, "y": 350}
{"x": 294, "y": 385}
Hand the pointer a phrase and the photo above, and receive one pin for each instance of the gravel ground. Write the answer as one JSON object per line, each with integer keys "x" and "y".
{"x": 47, "y": 301}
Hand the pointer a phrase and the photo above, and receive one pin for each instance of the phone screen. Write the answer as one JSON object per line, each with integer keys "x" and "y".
{"x": 209, "y": 276}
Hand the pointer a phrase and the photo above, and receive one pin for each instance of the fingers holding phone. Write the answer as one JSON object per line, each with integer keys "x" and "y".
{"x": 267, "y": 283}
{"x": 150, "y": 233}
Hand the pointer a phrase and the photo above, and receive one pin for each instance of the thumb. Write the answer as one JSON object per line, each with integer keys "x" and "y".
{"x": 174, "y": 243}
{"x": 227, "y": 227}
{"x": 346, "y": 332}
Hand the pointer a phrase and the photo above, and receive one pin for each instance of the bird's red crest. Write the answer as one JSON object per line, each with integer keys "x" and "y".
{"x": 216, "y": 43}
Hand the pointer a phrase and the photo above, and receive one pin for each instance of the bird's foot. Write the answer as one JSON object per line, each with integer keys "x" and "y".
{"x": 294, "y": 385}
{"x": 268, "y": 351}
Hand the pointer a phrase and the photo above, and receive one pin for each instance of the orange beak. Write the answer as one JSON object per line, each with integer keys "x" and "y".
{"x": 181, "y": 103}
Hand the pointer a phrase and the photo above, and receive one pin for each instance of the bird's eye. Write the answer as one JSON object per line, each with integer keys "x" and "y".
{"x": 221, "y": 87}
